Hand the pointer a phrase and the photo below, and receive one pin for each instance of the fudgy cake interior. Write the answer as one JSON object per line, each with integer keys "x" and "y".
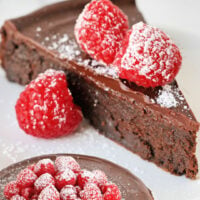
{"x": 130, "y": 186}
{"x": 157, "y": 124}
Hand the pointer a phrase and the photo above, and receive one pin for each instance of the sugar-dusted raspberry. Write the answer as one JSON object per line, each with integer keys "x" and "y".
{"x": 84, "y": 177}
{"x": 63, "y": 162}
{"x": 43, "y": 181}
{"x": 44, "y": 166}
{"x": 100, "y": 177}
{"x": 27, "y": 193}
{"x": 49, "y": 193}
{"x": 91, "y": 192}
{"x": 148, "y": 57}
{"x": 78, "y": 190}
{"x": 17, "y": 197}
{"x": 26, "y": 178}
{"x": 11, "y": 189}
{"x": 31, "y": 167}
{"x": 46, "y": 109}
{"x": 100, "y": 28}
{"x": 68, "y": 193}
{"x": 34, "y": 197}
{"x": 66, "y": 177}
{"x": 111, "y": 192}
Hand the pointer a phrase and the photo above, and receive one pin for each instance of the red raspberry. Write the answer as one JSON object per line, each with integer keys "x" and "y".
{"x": 17, "y": 197}
{"x": 111, "y": 192}
{"x": 68, "y": 193}
{"x": 78, "y": 190}
{"x": 100, "y": 177}
{"x": 26, "y": 178}
{"x": 46, "y": 109}
{"x": 148, "y": 57}
{"x": 65, "y": 178}
{"x": 64, "y": 162}
{"x": 91, "y": 192}
{"x": 27, "y": 193}
{"x": 34, "y": 197}
{"x": 44, "y": 166}
{"x": 11, "y": 189}
{"x": 100, "y": 28}
{"x": 31, "y": 167}
{"x": 84, "y": 177}
{"x": 43, "y": 181}
{"x": 49, "y": 193}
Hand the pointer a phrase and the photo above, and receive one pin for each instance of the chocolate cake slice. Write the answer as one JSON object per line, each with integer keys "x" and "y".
{"x": 157, "y": 124}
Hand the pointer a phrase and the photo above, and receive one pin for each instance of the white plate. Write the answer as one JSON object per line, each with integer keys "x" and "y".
{"x": 16, "y": 146}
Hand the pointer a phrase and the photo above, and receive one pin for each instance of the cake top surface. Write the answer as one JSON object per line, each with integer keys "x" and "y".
{"x": 56, "y": 34}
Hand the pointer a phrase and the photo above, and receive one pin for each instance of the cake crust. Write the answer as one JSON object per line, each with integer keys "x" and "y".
{"x": 122, "y": 111}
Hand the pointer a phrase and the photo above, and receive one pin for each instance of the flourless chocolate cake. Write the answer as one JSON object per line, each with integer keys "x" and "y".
{"x": 155, "y": 123}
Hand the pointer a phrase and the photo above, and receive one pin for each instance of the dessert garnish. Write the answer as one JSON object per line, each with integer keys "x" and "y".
{"x": 62, "y": 184}
{"x": 46, "y": 109}
{"x": 148, "y": 57}
{"x": 144, "y": 54}
{"x": 100, "y": 29}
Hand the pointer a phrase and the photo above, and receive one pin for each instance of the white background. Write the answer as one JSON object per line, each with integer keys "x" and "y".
{"x": 181, "y": 20}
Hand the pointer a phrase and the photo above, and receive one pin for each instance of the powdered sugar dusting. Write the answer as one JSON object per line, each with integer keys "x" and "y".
{"x": 66, "y": 175}
{"x": 68, "y": 192}
{"x": 64, "y": 162}
{"x": 43, "y": 181}
{"x": 100, "y": 68}
{"x": 43, "y": 163}
{"x": 166, "y": 99}
{"x": 50, "y": 192}
{"x": 91, "y": 191}
{"x": 67, "y": 48}
{"x": 169, "y": 97}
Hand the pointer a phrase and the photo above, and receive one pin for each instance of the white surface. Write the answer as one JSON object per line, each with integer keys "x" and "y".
{"x": 185, "y": 29}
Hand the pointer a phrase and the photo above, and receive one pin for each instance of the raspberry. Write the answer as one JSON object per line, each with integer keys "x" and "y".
{"x": 91, "y": 192}
{"x": 17, "y": 197}
{"x": 100, "y": 177}
{"x": 49, "y": 193}
{"x": 78, "y": 190}
{"x": 44, "y": 166}
{"x": 148, "y": 57}
{"x": 27, "y": 193}
{"x": 100, "y": 28}
{"x": 31, "y": 167}
{"x": 65, "y": 178}
{"x": 111, "y": 192}
{"x": 46, "y": 109}
{"x": 34, "y": 197}
{"x": 43, "y": 181}
{"x": 26, "y": 178}
{"x": 11, "y": 189}
{"x": 84, "y": 177}
{"x": 68, "y": 193}
{"x": 64, "y": 162}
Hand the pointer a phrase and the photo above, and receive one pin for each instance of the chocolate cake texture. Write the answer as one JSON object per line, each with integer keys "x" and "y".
{"x": 155, "y": 123}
